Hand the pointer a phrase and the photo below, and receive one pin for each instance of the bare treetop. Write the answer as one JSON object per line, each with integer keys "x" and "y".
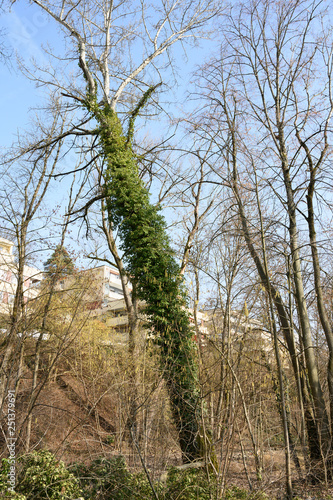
{"x": 117, "y": 41}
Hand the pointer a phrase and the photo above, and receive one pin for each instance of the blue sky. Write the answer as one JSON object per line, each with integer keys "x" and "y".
{"x": 25, "y": 29}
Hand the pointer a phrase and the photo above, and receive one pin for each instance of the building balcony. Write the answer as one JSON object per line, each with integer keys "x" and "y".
{"x": 117, "y": 321}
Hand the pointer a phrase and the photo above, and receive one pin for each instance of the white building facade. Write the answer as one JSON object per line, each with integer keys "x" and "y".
{"x": 8, "y": 278}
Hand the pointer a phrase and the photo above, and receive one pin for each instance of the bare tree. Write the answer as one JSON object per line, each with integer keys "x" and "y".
{"x": 266, "y": 120}
{"x": 25, "y": 183}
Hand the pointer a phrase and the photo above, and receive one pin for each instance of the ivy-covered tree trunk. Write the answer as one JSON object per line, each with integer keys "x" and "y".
{"x": 155, "y": 273}
{"x": 102, "y": 52}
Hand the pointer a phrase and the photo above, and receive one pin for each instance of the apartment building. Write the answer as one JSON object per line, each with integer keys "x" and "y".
{"x": 243, "y": 332}
{"x": 102, "y": 284}
{"x": 115, "y": 316}
{"x": 8, "y": 277}
{"x": 104, "y": 298}
{"x": 106, "y": 301}
{"x": 108, "y": 283}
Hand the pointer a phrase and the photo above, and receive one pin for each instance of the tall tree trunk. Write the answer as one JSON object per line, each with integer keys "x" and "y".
{"x": 283, "y": 411}
{"x": 312, "y": 430}
{"x": 311, "y": 365}
{"x": 132, "y": 312}
{"x": 324, "y": 320}
{"x": 13, "y": 342}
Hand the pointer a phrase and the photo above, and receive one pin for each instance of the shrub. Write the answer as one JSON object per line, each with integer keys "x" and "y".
{"x": 42, "y": 477}
{"x": 107, "y": 479}
{"x": 4, "y": 491}
{"x": 190, "y": 484}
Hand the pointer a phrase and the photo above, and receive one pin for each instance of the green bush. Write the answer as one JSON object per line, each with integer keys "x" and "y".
{"x": 190, "y": 484}
{"x": 4, "y": 491}
{"x": 12, "y": 495}
{"x": 109, "y": 479}
{"x": 236, "y": 493}
{"x": 42, "y": 477}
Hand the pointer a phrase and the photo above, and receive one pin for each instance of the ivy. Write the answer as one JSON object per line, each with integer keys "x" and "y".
{"x": 40, "y": 476}
{"x": 151, "y": 263}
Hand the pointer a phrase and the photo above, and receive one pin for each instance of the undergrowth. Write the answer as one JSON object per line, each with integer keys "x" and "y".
{"x": 40, "y": 476}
